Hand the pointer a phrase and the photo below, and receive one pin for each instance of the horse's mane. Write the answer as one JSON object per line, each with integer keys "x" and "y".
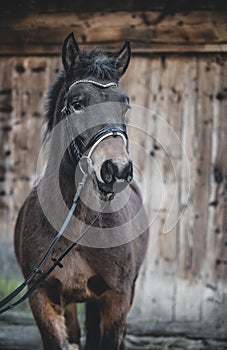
{"x": 93, "y": 63}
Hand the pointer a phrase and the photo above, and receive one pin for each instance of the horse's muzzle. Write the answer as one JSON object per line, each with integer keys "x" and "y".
{"x": 115, "y": 176}
{"x": 114, "y": 171}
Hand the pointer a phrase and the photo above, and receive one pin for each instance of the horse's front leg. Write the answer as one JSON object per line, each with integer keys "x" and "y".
{"x": 113, "y": 321}
{"x": 49, "y": 316}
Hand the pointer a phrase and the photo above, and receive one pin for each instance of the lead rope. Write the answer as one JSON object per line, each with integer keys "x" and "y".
{"x": 56, "y": 261}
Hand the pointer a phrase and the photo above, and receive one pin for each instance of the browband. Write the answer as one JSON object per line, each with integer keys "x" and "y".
{"x": 93, "y": 82}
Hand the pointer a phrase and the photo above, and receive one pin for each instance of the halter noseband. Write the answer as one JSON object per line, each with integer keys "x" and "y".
{"x": 109, "y": 130}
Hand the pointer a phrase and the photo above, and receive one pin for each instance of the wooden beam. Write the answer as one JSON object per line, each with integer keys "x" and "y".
{"x": 20, "y": 7}
{"x": 151, "y": 31}
{"x": 55, "y": 50}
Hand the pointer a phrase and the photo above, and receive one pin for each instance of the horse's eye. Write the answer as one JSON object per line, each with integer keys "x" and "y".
{"x": 78, "y": 105}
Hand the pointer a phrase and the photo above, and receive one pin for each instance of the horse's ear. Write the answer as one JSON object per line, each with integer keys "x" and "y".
{"x": 70, "y": 52}
{"x": 123, "y": 58}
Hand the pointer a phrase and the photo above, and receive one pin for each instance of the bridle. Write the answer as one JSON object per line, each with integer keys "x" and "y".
{"x": 103, "y": 133}
{"x": 109, "y": 130}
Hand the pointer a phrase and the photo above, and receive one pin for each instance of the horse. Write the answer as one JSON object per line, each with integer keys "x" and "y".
{"x": 102, "y": 271}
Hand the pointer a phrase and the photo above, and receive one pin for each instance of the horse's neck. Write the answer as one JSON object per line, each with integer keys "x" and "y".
{"x": 89, "y": 204}
{"x": 61, "y": 188}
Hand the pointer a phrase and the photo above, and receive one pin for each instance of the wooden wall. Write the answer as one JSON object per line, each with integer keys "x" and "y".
{"x": 24, "y": 83}
{"x": 184, "y": 276}
{"x": 183, "y": 284}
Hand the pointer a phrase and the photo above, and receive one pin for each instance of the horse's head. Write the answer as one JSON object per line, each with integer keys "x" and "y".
{"x": 91, "y": 88}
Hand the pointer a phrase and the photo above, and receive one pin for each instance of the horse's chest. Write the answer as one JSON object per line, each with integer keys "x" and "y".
{"x": 80, "y": 282}
{"x": 86, "y": 274}
{"x": 73, "y": 277}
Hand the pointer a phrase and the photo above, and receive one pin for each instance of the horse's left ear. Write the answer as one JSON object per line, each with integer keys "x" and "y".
{"x": 70, "y": 52}
{"x": 123, "y": 58}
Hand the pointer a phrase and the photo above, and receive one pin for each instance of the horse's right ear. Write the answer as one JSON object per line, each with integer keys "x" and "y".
{"x": 123, "y": 58}
{"x": 70, "y": 52}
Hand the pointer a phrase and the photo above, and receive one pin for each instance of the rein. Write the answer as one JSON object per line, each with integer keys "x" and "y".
{"x": 56, "y": 261}
{"x": 103, "y": 133}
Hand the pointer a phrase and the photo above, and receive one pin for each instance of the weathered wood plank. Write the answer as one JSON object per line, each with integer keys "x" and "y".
{"x": 184, "y": 255}
{"x": 215, "y": 269}
{"x": 199, "y": 148}
{"x": 166, "y": 150}
{"x": 21, "y": 7}
{"x": 186, "y": 301}
{"x": 219, "y": 175}
{"x": 6, "y": 156}
{"x": 139, "y": 48}
{"x": 187, "y": 296}
{"x": 149, "y": 77}
{"x": 24, "y": 125}
{"x": 31, "y": 80}
{"x": 148, "y": 31}
{"x": 202, "y": 162}
{"x": 160, "y": 263}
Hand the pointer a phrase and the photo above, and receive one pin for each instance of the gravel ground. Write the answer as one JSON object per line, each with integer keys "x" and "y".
{"x": 20, "y": 333}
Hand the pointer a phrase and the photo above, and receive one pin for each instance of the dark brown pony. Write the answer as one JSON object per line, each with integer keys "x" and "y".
{"x": 96, "y": 272}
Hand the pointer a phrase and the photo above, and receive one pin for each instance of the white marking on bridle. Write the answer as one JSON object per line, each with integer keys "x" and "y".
{"x": 93, "y": 82}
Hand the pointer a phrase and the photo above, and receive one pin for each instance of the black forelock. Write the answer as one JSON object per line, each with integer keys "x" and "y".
{"x": 93, "y": 64}
{"x": 96, "y": 64}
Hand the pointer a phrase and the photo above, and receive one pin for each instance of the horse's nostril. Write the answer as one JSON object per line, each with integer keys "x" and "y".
{"x": 112, "y": 171}
{"x": 108, "y": 171}
{"x": 127, "y": 173}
